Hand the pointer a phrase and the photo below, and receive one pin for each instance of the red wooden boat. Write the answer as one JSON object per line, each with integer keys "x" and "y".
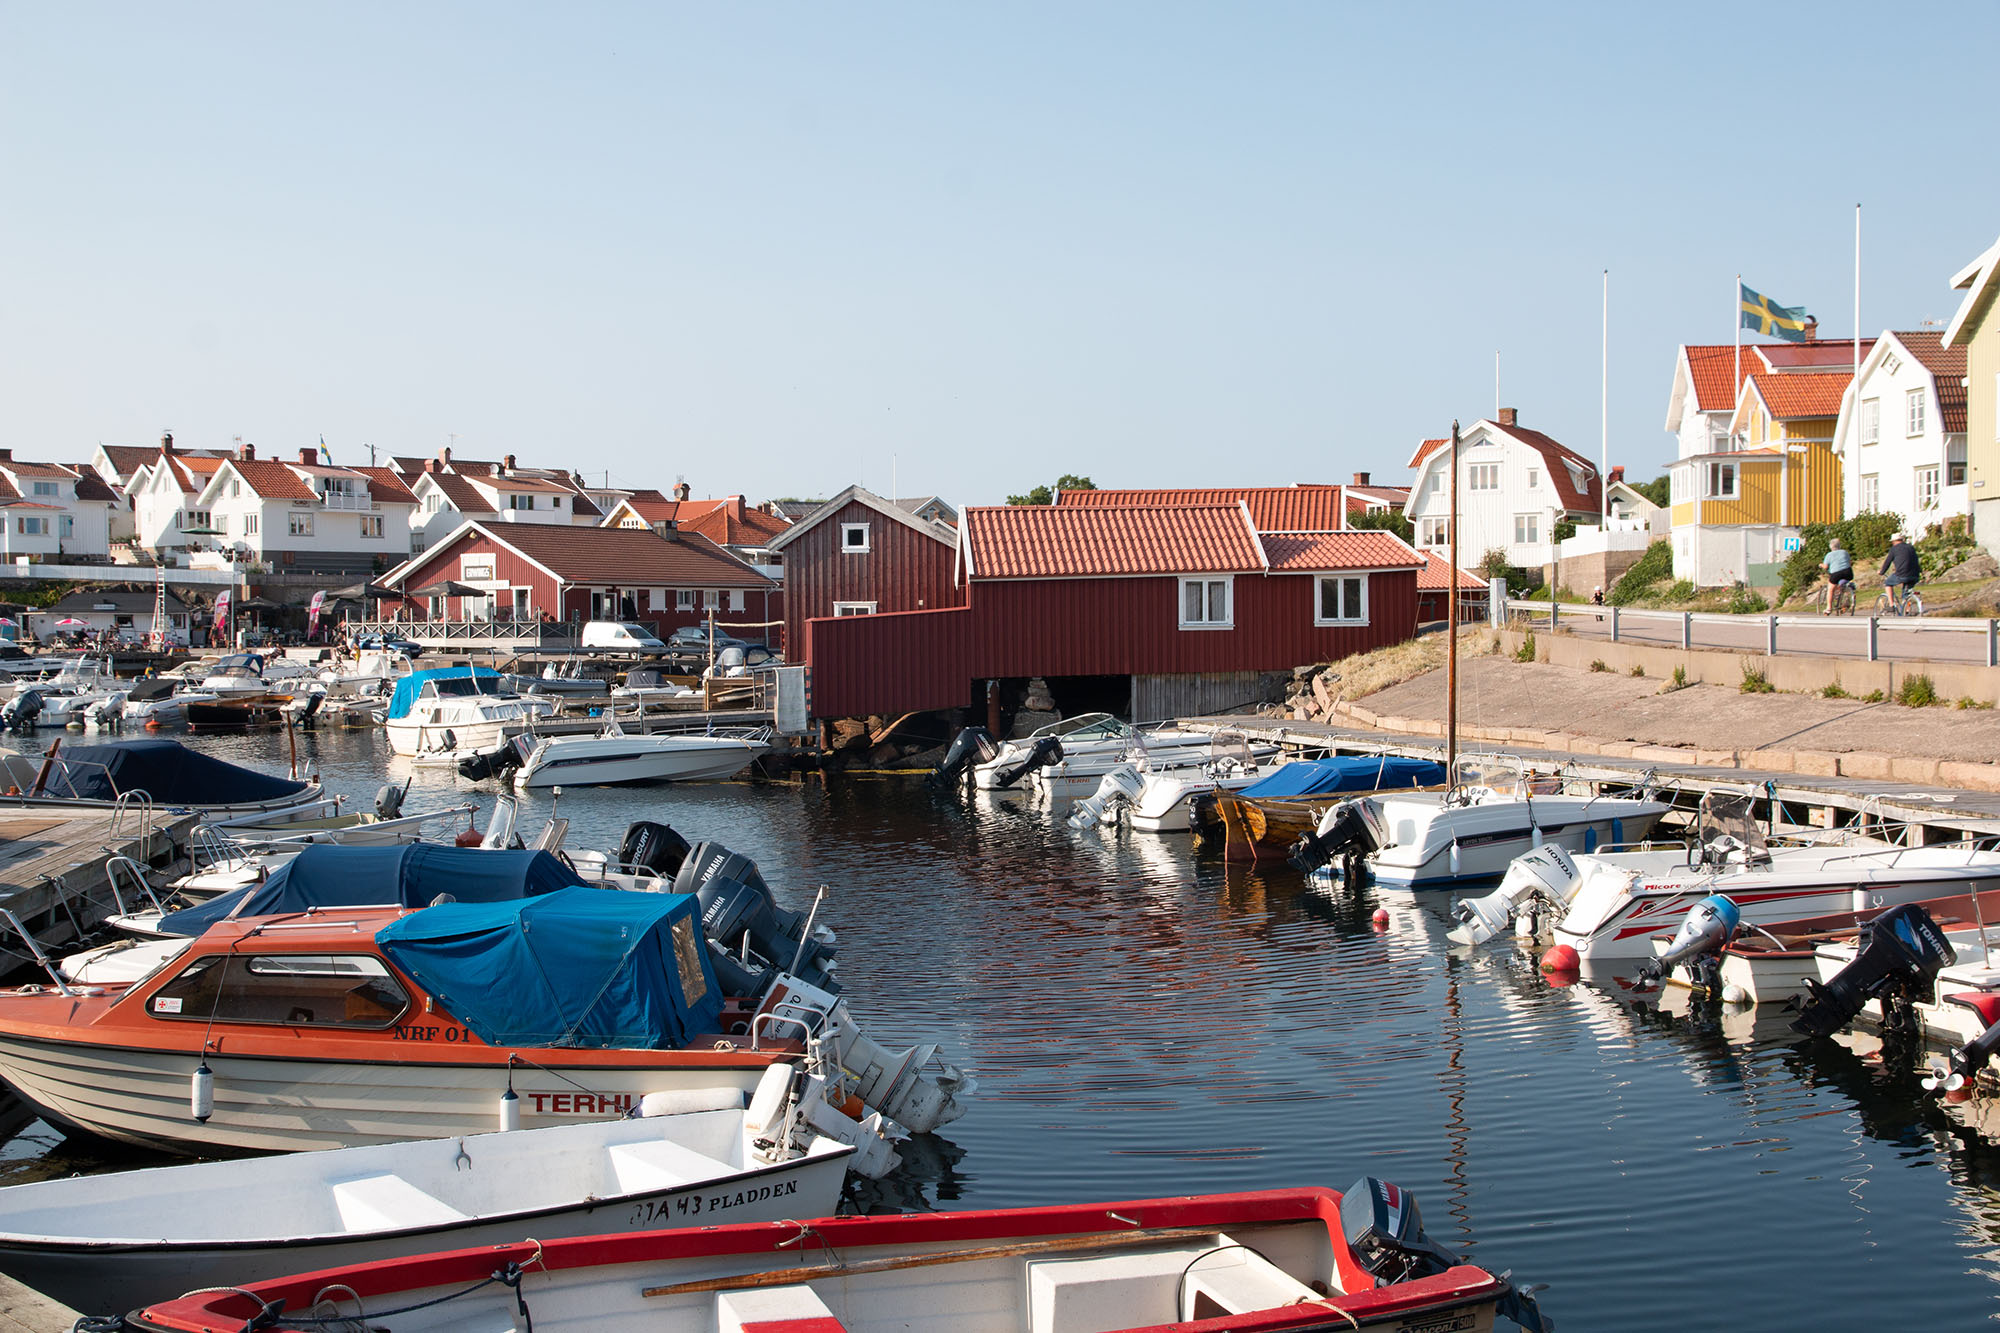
{"x": 1297, "y": 1259}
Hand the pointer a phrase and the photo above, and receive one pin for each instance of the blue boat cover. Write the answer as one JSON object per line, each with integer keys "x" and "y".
{"x": 410, "y": 686}
{"x": 406, "y": 875}
{"x": 1354, "y": 772}
{"x": 577, "y": 967}
{"x": 166, "y": 770}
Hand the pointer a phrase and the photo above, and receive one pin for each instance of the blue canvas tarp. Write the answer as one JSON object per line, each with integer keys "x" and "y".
{"x": 1320, "y": 777}
{"x": 406, "y": 875}
{"x": 577, "y": 967}
{"x": 167, "y": 771}
{"x": 410, "y": 686}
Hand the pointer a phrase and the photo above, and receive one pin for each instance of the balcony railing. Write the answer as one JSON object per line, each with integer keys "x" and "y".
{"x": 342, "y": 500}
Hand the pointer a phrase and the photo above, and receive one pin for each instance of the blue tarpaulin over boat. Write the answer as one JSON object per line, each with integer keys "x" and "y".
{"x": 1320, "y": 777}
{"x": 406, "y": 875}
{"x": 167, "y": 771}
{"x": 578, "y": 967}
{"x": 410, "y": 686}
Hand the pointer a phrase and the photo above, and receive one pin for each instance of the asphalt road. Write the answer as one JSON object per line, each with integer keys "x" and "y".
{"x": 1920, "y": 639}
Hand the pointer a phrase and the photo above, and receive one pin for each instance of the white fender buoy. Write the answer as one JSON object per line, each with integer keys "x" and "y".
{"x": 1735, "y": 994}
{"x": 510, "y": 1111}
{"x": 201, "y": 1093}
{"x": 1454, "y": 857}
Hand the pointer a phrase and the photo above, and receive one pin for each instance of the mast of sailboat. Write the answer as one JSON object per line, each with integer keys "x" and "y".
{"x": 1451, "y": 627}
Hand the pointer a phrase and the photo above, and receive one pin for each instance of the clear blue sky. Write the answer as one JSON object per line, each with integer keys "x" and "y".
{"x": 778, "y": 248}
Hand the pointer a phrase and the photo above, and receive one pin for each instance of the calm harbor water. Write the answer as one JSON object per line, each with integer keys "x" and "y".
{"x": 1145, "y": 1022}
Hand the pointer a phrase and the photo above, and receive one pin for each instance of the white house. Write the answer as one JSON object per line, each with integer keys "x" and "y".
{"x": 1514, "y": 486}
{"x": 1904, "y": 451}
{"x": 167, "y": 514}
{"x": 309, "y": 515}
{"x": 450, "y": 493}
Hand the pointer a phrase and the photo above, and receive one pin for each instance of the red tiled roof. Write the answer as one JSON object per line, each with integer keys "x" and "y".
{"x": 725, "y": 526}
{"x": 626, "y": 557}
{"x": 7, "y": 491}
{"x": 1084, "y": 541}
{"x": 129, "y": 458}
{"x": 1434, "y": 578}
{"x": 1712, "y": 367}
{"x": 464, "y": 496}
{"x": 1424, "y": 448}
{"x": 45, "y": 471}
{"x": 89, "y": 486}
{"x": 651, "y": 508}
{"x": 1305, "y": 508}
{"x": 1555, "y": 455}
{"x": 524, "y": 485}
{"x": 188, "y": 468}
{"x": 1301, "y": 552}
{"x": 1801, "y": 395}
{"x": 273, "y": 481}
{"x": 384, "y": 484}
{"x": 1947, "y": 368}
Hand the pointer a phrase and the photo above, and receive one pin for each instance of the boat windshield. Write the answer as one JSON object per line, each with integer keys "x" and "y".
{"x": 453, "y": 687}
{"x": 1230, "y": 751}
{"x": 1086, "y": 727}
{"x": 1727, "y": 831}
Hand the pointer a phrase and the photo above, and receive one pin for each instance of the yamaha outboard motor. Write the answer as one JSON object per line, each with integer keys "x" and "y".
{"x": 1706, "y": 929}
{"x": 654, "y": 847}
{"x": 972, "y": 745}
{"x": 1343, "y": 833}
{"x": 479, "y": 764}
{"x": 1046, "y": 751}
{"x": 1385, "y": 1233}
{"x": 737, "y": 907}
{"x": 1901, "y": 953}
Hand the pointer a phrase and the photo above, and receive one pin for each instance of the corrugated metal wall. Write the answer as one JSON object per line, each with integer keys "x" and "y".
{"x": 903, "y": 570}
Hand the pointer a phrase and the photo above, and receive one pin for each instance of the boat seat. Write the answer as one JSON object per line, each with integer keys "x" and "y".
{"x": 1984, "y": 1003}
{"x": 1238, "y": 1281}
{"x": 1139, "y": 1286}
{"x": 656, "y": 1164}
{"x": 793, "y": 1309}
{"x": 388, "y": 1202}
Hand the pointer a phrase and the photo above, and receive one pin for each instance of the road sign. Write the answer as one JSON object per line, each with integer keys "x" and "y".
{"x": 1788, "y": 543}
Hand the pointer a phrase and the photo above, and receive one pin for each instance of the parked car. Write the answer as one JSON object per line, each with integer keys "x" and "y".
{"x": 392, "y": 643}
{"x": 693, "y": 639}
{"x": 621, "y": 636}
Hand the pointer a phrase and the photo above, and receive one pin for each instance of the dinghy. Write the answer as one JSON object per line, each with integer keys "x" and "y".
{"x": 1297, "y": 1259}
{"x": 105, "y": 1244}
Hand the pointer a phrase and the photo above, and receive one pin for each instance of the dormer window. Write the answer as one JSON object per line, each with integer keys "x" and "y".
{"x": 520, "y": 502}
{"x": 45, "y": 488}
{"x": 854, "y": 538}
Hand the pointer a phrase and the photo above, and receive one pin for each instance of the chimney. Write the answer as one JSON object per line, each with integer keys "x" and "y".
{"x": 444, "y": 455}
{"x": 1509, "y": 416}
{"x": 1617, "y": 474}
{"x": 736, "y": 507}
{"x": 432, "y": 466}
{"x": 681, "y": 491}
{"x": 1361, "y": 479}
{"x": 6, "y": 455}
{"x": 167, "y": 443}
{"x": 306, "y": 456}
{"x": 249, "y": 453}
{"x": 1811, "y": 330}
{"x": 507, "y": 464}
{"x": 669, "y": 529}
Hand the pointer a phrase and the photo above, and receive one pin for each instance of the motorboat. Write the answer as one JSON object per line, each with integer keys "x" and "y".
{"x": 1609, "y": 905}
{"x": 650, "y": 685}
{"x": 1154, "y": 798}
{"x": 569, "y": 677}
{"x": 161, "y": 772}
{"x": 252, "y": 674}
{"x": 612, "y": 756}
{"x": 162, "y": 701}
{"x": 457, "y": 708}
{"x": 1295, "y": 1259}
{"x": 1262, "y": 820}
{"x": 1086, "y": 746}
{"x": 1433, "y": 840}
{"x": 107, "y": 1244}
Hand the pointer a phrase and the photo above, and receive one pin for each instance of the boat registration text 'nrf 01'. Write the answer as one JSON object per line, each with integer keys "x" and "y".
{"x": 656, "y": 1211}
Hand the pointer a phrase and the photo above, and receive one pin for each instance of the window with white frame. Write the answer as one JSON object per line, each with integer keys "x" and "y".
{"x": 250, "y": 525}
{"x": 1927, "y": 487}
{"x": 684, "y": 599}
{"x": 1534, "y": 478}
{"x": 1954, "y": 462}
{"x": 520, "y": 502}
{"x": 1205, "y": 603}
{"x": 32, "y": 527}
{"x": 198, "y": 518}
{"x": 235, "y": 488}
{"x": 739, "y": 600}
{"x": 299, "y": 524}
{"x": 432, "y": 501}
{"x": 1915, "y": 400}
{"x": 1437, "y": 482}
{"x": 1343, "y": 600}
{"x": 715, "y": 598}
{"x": 1482, "y": 477}
{"x": 1871, "y": 493}
{"x": 1433, "y": 531}
{"x": 854, "y": 538}
{"x": 1721, "y": 481}
{"x": 1527, "y": 529}
{"x": 1891, "y": 363}
{"x": 854, "y": 608}
{"x": 371, "y": 525}
{"x": 1871, "y": 420}
{"x": 66, "y": 525}
{"x": 222, "y": 525}
{"x": 45, "y": 488}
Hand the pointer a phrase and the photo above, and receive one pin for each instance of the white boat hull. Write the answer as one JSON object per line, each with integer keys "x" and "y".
{"x": 600, "y": 760}
{"x": 1435, "y": 845}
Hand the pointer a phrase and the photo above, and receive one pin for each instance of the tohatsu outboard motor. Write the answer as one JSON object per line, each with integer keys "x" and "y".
{"x": 972, "y": 745}
{"x": 1048, "y": 750}
{"x": 737, "y": 907}
{"x": 1901, "y": 952}
{"x": 1345, "y": 833}
{"x": 1385, "y": 1233}
{"x": 652, "y": 846}
{"x": 1706, "y": 929}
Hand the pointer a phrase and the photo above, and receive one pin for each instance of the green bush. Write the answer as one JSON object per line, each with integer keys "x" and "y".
{"x": 1834, "y": 691}
{"x": 1917, "y": 692}
{"x": 1743, "y": 601}
{"x": 1526, "y": 652}
{"x": 1866, "y": 536}
{"x": 1597, "y": 664}
{"x": 1873, "y": 697}
{"x": 1656, "y": 564}
{"x": 1682, "y": 591}
{"x": 1944, "y": 545}
{"x": 1638, "y": 669}
{"x": 1754, "y": 681}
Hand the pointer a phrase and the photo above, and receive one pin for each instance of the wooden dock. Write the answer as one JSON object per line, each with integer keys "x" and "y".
{"x": 53, "y": 859}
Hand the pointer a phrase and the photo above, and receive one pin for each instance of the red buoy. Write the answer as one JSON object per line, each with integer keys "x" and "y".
{"x": 1560, "y": 958}
{"x": 471, "y": 837}
{"x": 1381, "y": 918}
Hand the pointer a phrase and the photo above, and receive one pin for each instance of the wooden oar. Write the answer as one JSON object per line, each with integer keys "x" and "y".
{"x": 785, "y": 1277}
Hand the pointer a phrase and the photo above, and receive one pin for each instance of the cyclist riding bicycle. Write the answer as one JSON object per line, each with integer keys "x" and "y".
{"x": 1839, "y": 567}
{"x": 1900, "y": 569}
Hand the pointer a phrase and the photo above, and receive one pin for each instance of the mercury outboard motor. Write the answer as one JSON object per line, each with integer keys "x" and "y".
{"x": 1901, "y": 953}
{"x": 1343, "y": 833}
{"x": 1385, "y": 1233}
{"x": 736, "y": 905}
{"x": 972, "y": 745}
{"x": 1046, "y": 751}
{"x": 1708, "y": 926}
{"x": 652, "y": 846}
{"x": 20, "y": 712}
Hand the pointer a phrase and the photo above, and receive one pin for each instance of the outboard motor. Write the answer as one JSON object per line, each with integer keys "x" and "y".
{"x": 490, "y": 763}
{"x": 1708, "y": 926}
{"x": 1344, "y": 833}
{"x": 389, "y": 799}
{"x": 652, "y": 846}
{"x": 1385, "y": 1233}
{"x": 972, "y": 745}
{"x": 1120, "y": 786}
{"x": 1046, "y": 751}
{"x": 736, "y": 905}
{"x": 1969, "y": 1059}
{"x": 1901, "y": 953}
{"x": 20, "y": 712}
{"x": 1205, "y": 815}
{"x": 1545, "y": 872}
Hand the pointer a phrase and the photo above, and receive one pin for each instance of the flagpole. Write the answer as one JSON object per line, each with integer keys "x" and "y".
{"x": 1604, "y": 418}
{"x": 1736, "y": 384}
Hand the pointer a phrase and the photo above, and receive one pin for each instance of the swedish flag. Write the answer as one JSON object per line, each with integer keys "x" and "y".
{"x": 1763, "y": 315}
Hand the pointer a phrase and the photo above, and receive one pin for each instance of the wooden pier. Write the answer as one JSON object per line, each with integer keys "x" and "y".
{"x": 54, "y": 875}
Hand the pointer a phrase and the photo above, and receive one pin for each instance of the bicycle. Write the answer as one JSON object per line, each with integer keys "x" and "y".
{"x": 1837, "y": 599}
{"x": 1909, "y": 604}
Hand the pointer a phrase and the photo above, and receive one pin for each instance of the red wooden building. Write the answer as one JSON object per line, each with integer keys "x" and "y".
{"x": 858, "y": 555}
{"x": 1183, "y": 607}
{"x": 523, "y": 571}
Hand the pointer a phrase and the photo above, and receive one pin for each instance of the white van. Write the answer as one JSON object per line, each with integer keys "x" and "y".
{"x": 621, "y": 636}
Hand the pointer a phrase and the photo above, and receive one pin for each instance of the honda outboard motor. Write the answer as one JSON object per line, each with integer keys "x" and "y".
{"x": 1545, "y": 872}
{"x": 1385, "y": 1233}
{"x": 1120, "y": 786}
{"x": 655, "y": 847}
{"x": 1901, "y": 953}
{"x": 1046, "y": 751}
{"x": 1708, "y": 926}
{"x": 736, "y": 905}
{"x": 1344, "y": 832}
{"x": 972, "y": 745}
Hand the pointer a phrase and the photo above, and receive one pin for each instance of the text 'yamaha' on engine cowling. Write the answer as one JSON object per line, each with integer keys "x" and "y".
{"x": 1045, "y": 751}
{"x": 1705, "y": 931}
{"x": 737, "y": 909}
{"x": 1900, "y": 954}
{"x": 1344, "y": 831}
{"x": 1384, "y": 1231}
{"x": 972, "y": 745}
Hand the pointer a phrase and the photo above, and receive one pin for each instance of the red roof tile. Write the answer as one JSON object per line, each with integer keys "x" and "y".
{"x": 384, "y": 484}
{"x": 1556, "y": 456}
{"x": 43, "y": 471}
{"x": 89, "y": 486}
{"x": 1306, "y": 508}
{"x": 193, "y": 471}
{"x": 1815, "y": 394}
{"x": 464, "y": 496}
{"x": 1301, "y": 552}
{"x": 273, "y": 481}
{"x": 1424, "y": 448}
{"x": 524, "y": 485}
{"x": 726, "y": 526}
{"x": 1712, "y": 367}
{"x": 1084, "y": 541}
{"x": 1947, "y": 368}
{"x": 129, "y": 458}
{"x": 1434, "y": 578}
{"x": 626, "y": 557}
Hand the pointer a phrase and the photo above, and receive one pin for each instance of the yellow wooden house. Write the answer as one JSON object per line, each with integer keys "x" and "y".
{"x": 1976, "y": 327}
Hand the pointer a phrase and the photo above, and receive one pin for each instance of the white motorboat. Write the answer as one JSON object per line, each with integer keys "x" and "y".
{"x": 110, "y": 1243}
{"x": 612, "y": 756}
{"x": 1433, "y": 840}
{"x": 250, "y": 673}
{"x": 1086, "y": 747}
{"x": 444, "y": 711}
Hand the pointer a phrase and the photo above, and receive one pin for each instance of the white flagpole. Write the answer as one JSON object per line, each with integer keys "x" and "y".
{"x": 1736, "y": 384}
{"x": 1496, "y": 384}
{"x": 1854, "y": 385}
{"x": 1604, "y": 419}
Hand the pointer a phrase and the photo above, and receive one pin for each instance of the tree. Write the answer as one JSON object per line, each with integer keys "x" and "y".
{"x": 1384, "y": 520}
{"x": 1045, "y": 495}
{"x": 1658, "y": 490}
